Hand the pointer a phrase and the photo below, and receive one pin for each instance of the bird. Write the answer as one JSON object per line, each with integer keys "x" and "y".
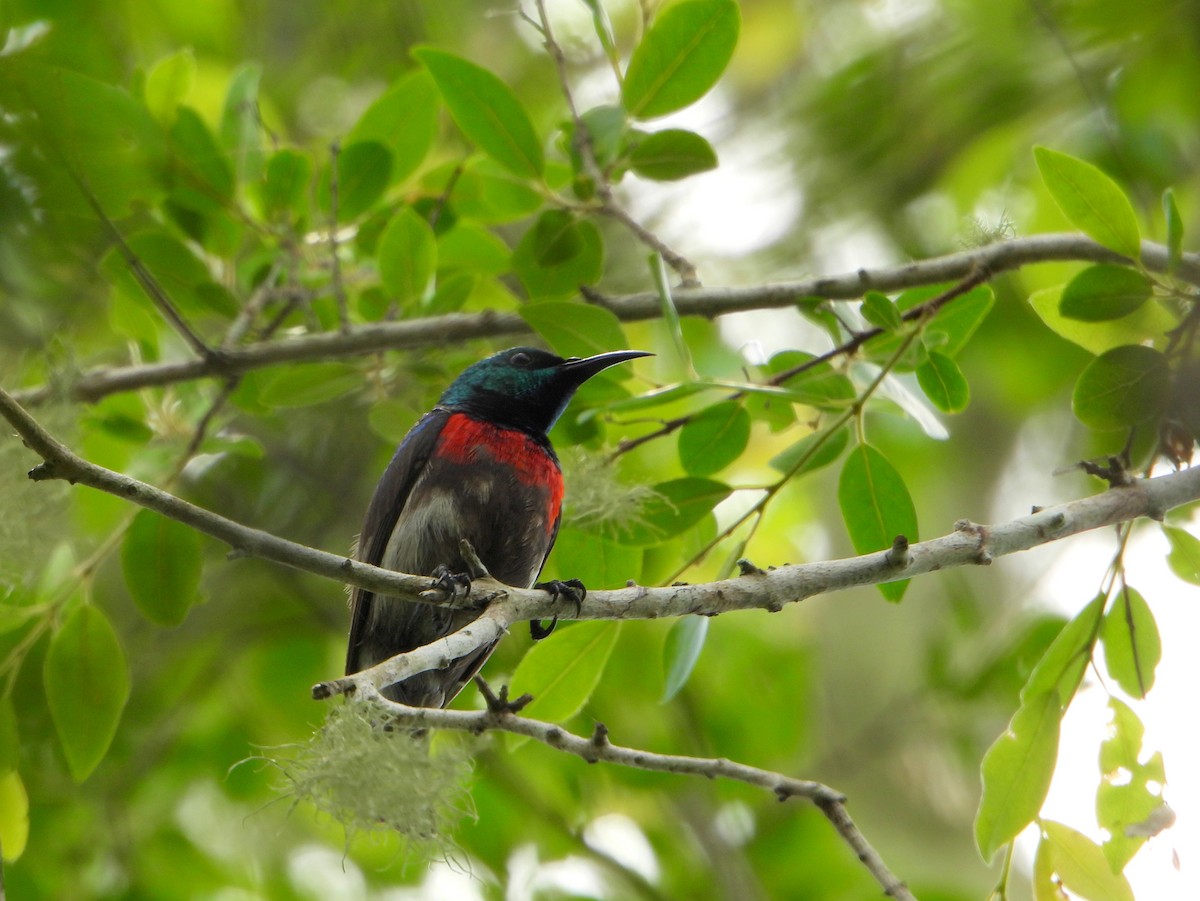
{"x": 478, "y": 466}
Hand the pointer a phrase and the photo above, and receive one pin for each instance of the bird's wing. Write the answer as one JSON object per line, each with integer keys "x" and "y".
{"x": 391, "y": 494}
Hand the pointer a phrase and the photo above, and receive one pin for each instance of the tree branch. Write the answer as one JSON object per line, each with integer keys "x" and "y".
{"x": 436, "y": 331}
{"x": 968, "y": 544}
{"x": 597, "y": 748}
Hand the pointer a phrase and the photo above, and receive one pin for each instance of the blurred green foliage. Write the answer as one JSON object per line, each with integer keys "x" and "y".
{"x": 848, "y": 135}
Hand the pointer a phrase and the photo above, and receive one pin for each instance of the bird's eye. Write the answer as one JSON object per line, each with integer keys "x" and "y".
{"x": 520, "y": 359}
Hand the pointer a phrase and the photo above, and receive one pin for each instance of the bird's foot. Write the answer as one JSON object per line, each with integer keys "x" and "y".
{"x": 570, "y": 590}
{"x": 454, "y": 586}
{"x": 500, "y": 703}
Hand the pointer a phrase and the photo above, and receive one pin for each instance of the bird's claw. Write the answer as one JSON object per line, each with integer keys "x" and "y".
{"x": 571, "y": 590}
{"x": 455, "y": 586}
{"x": 500, "y": 703}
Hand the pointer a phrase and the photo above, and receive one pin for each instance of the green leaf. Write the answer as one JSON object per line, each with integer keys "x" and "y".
{"x": 390, "y": 420}
{"x": 14, "y": 815}
{"x": 672, "y": 154}
{"x": 161, "y": 562}
{"x": 168, "y": 82}
{"x": 606, "y": 127}
{"x": 1081, "y": 865}
{"x": 1104, "y": 292}
{"x": 556, "y": 238}
{"x": 676, "y": 506}
{"x": 1122, "y": 387}
{"x": 575, "y": 329}
{"x": 1129, "y": 799}
{"x": 661, "y": 396}
{"x": 363, "y": 171}
{"x": 13, "y": 617}
{"x": 171, "y": 263}
{"x": 559, "y": 279}
{"x": 407, "y": 255}
{"x": 604, "y": 31}
{"x": 776, "y": 411}
{"x": 202, "y": 163}
{"x": 87, "y": 684}
{"x": 814, "y": 456}
{"x": 122, "y": 418}
{"x": 950, "y": 329}
{"x": 876, "y": 507}
{"x": 681, "y": 57}
{"x": 1092, "y": 201}
{"x": 670, "y": 313}
{"x": 487, "y": 111}
{"x": 1016, "y": 773}
{"x": 1174, "y": 231}
{"x": 879, "y": 310}
{"x": 598, "y": 562}
{"x": 484, "y": 191}
{"x": 819, "y": 385}
{"x": 240, "y": 132}
{"x": 404, "y": 119}
{"x": 714, "y": 438}
{"x": 562, "y": 671}
{"x": 288, "y": 173}
{"x": 308, "y": 384}
{"x": 954, "y": 323}
{"x": 943, "y": 383}
{"x": 1184, "y": 558}
{"x": 681, "y": 650}
{"x": 110, "y": 140}
{"x": 1045, "y": 884}
{"x": 10, "y": 739}
{"x": 58, "y": 573}
{"x": 1149, "y": 321}
{"x": 1132, "y": 647}
{"x": 1062, "y": 666}
{"x": 472, "y": 247}
{"x": 452, "y": 293}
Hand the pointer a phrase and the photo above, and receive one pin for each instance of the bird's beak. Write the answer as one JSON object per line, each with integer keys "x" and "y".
{"x": 580, "y": 370}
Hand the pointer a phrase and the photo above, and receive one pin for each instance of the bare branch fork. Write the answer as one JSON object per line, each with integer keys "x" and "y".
{"x": 434, "y": 331}
{"x": 587, "y": 153}
{"x": 597, "y": 748}
{"x": 968, "y": 544}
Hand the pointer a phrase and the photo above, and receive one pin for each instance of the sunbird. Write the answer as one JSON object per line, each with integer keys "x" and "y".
{"x": 479, "y": 467}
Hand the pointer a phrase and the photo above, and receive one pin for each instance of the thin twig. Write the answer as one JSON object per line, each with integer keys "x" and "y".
{"x": 677, "y": 261}
{"x": 849, "y": 347}
{"x": 597, "y": 748}
{"x": 144, "y": 277}
{"x": 250, "y": 310}
{"x": 339, "y": 290}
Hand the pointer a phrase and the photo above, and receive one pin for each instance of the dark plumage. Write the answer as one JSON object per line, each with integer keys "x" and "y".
{"x": 478, "y": 466}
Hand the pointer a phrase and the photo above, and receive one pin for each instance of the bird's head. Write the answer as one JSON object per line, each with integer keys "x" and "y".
{"x": 525, "y": 387}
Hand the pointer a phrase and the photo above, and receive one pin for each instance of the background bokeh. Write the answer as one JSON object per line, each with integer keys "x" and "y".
{"x": 851, "y": 134}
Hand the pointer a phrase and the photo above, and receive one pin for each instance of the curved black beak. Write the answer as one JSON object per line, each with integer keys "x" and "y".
{"x": 580, "y": 370}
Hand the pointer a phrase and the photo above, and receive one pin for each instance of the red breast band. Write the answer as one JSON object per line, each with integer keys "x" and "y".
{"x": 467, "y": 440}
